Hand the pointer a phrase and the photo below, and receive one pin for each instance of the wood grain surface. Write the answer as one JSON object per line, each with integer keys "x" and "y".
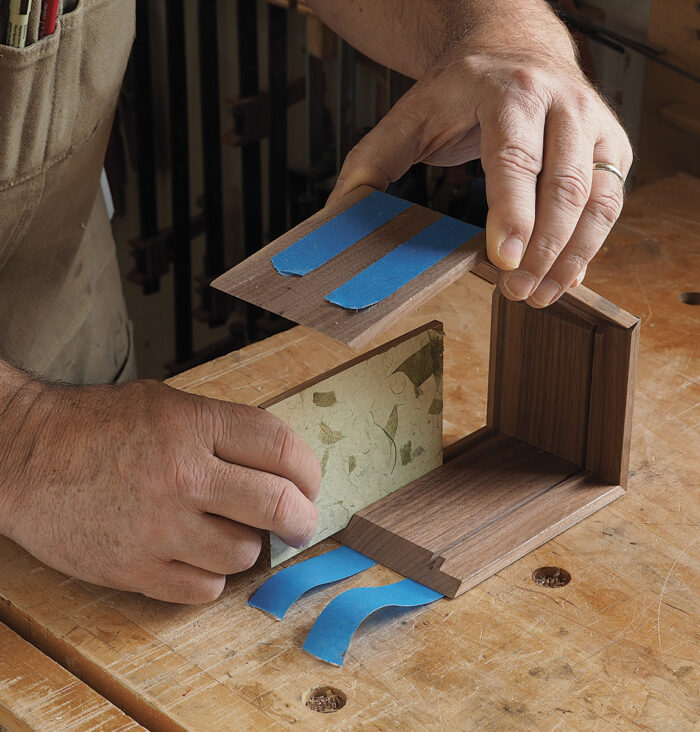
{"x": 542, "y": 392}
{"x": 615, "y": 649}
{"x": 563, "y": 380}
{"x": 301, "y": 299}
{"x": 38, "y": 694}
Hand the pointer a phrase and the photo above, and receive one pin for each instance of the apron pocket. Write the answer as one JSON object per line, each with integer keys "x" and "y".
{"x": 96, "y": 38}
{"x": 26, "y": 102}
{"x": 54, "y": 96}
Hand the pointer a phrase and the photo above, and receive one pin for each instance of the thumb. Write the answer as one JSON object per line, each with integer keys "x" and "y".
{"x": 384, "y": 154}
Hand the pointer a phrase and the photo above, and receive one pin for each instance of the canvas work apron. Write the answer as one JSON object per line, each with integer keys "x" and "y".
{"x": 62, "y": 312}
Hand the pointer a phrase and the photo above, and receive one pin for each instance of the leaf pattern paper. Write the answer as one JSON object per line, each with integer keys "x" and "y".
{"x": 329, "y": 436}
{"x": 423, "y": 364}
{"x": 393, "y": 422}
{"x": 373, "y": 432}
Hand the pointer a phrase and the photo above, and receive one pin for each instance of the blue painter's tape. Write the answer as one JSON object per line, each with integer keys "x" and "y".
{"x": 283, "y": 589}
{"x": 329, "y": 637}
{"x": 338, "y": 234}
{"x": 403, "y": 264}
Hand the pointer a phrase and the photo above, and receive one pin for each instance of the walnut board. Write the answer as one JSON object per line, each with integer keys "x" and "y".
{"x": 476, "y": 514}
{"x": 301, "y": 299}
{"x": 375, "y": 424}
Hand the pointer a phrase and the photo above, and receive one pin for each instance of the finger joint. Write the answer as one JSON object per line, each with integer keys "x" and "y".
{"x": 571, "y": 187}
{"x": 605, "y": 206}
{"x": 549, "y": 247}
{"x": 519, "y": 157}
{"x": 284, "y": 445}
{"x": 283, "y": 505}
{"x": 247, "y": 555}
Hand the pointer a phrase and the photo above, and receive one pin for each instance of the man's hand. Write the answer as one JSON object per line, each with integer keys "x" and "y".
{"x": 145, "y": 488}
{"x": 508, "y": 90}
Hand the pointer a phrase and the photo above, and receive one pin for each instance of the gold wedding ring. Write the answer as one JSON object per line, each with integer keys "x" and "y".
{"x": 610, "y": 169}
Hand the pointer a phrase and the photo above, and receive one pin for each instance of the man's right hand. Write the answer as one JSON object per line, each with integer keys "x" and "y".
{"x": 145, "y": 488}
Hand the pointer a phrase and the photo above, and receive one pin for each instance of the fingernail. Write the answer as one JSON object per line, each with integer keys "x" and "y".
{"x": 511, "y": 251}
{"x": 519, "y": 285}
{"x": 546, "y": 292}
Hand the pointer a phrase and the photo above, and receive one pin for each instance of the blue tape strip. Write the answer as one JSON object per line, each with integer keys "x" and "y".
{"x": 283, "y": 589}
{"x": 330, "y": 636}
{"x": 403, "y": 264}
{"x": 338, "y": 234}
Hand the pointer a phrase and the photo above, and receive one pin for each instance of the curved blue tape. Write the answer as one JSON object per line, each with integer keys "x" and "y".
{"x": 330, "y": 636}
{"x": 338, "y": 234}
{"x": 283, "y": 589}
{"x": 403, "y": 264}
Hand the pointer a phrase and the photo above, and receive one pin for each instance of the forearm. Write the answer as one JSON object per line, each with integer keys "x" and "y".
{"x": 411, "y": 36}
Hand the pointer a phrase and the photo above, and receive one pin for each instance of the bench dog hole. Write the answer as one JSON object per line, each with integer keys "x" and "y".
{"x": 551, "y": 577}
{"x": 325, "y": 699}
{"x": 690, "y": 298}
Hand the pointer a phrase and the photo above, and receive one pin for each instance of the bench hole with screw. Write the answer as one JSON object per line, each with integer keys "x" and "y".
{"x": 325, "y": 699}
{"x": 551, "y": 577}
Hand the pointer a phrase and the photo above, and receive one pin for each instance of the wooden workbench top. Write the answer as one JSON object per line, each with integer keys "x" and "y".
{"x": 616, "y": 648}
{"x": 36, "y": 693}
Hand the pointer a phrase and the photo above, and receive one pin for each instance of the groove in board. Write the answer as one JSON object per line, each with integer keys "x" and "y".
{"x": 531, "y": 525}
{"x": 612, "y": 398}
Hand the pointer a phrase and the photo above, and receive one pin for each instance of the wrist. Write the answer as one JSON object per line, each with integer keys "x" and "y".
{"x": 19, "y": 393}
{"x": 525, "y": 33}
